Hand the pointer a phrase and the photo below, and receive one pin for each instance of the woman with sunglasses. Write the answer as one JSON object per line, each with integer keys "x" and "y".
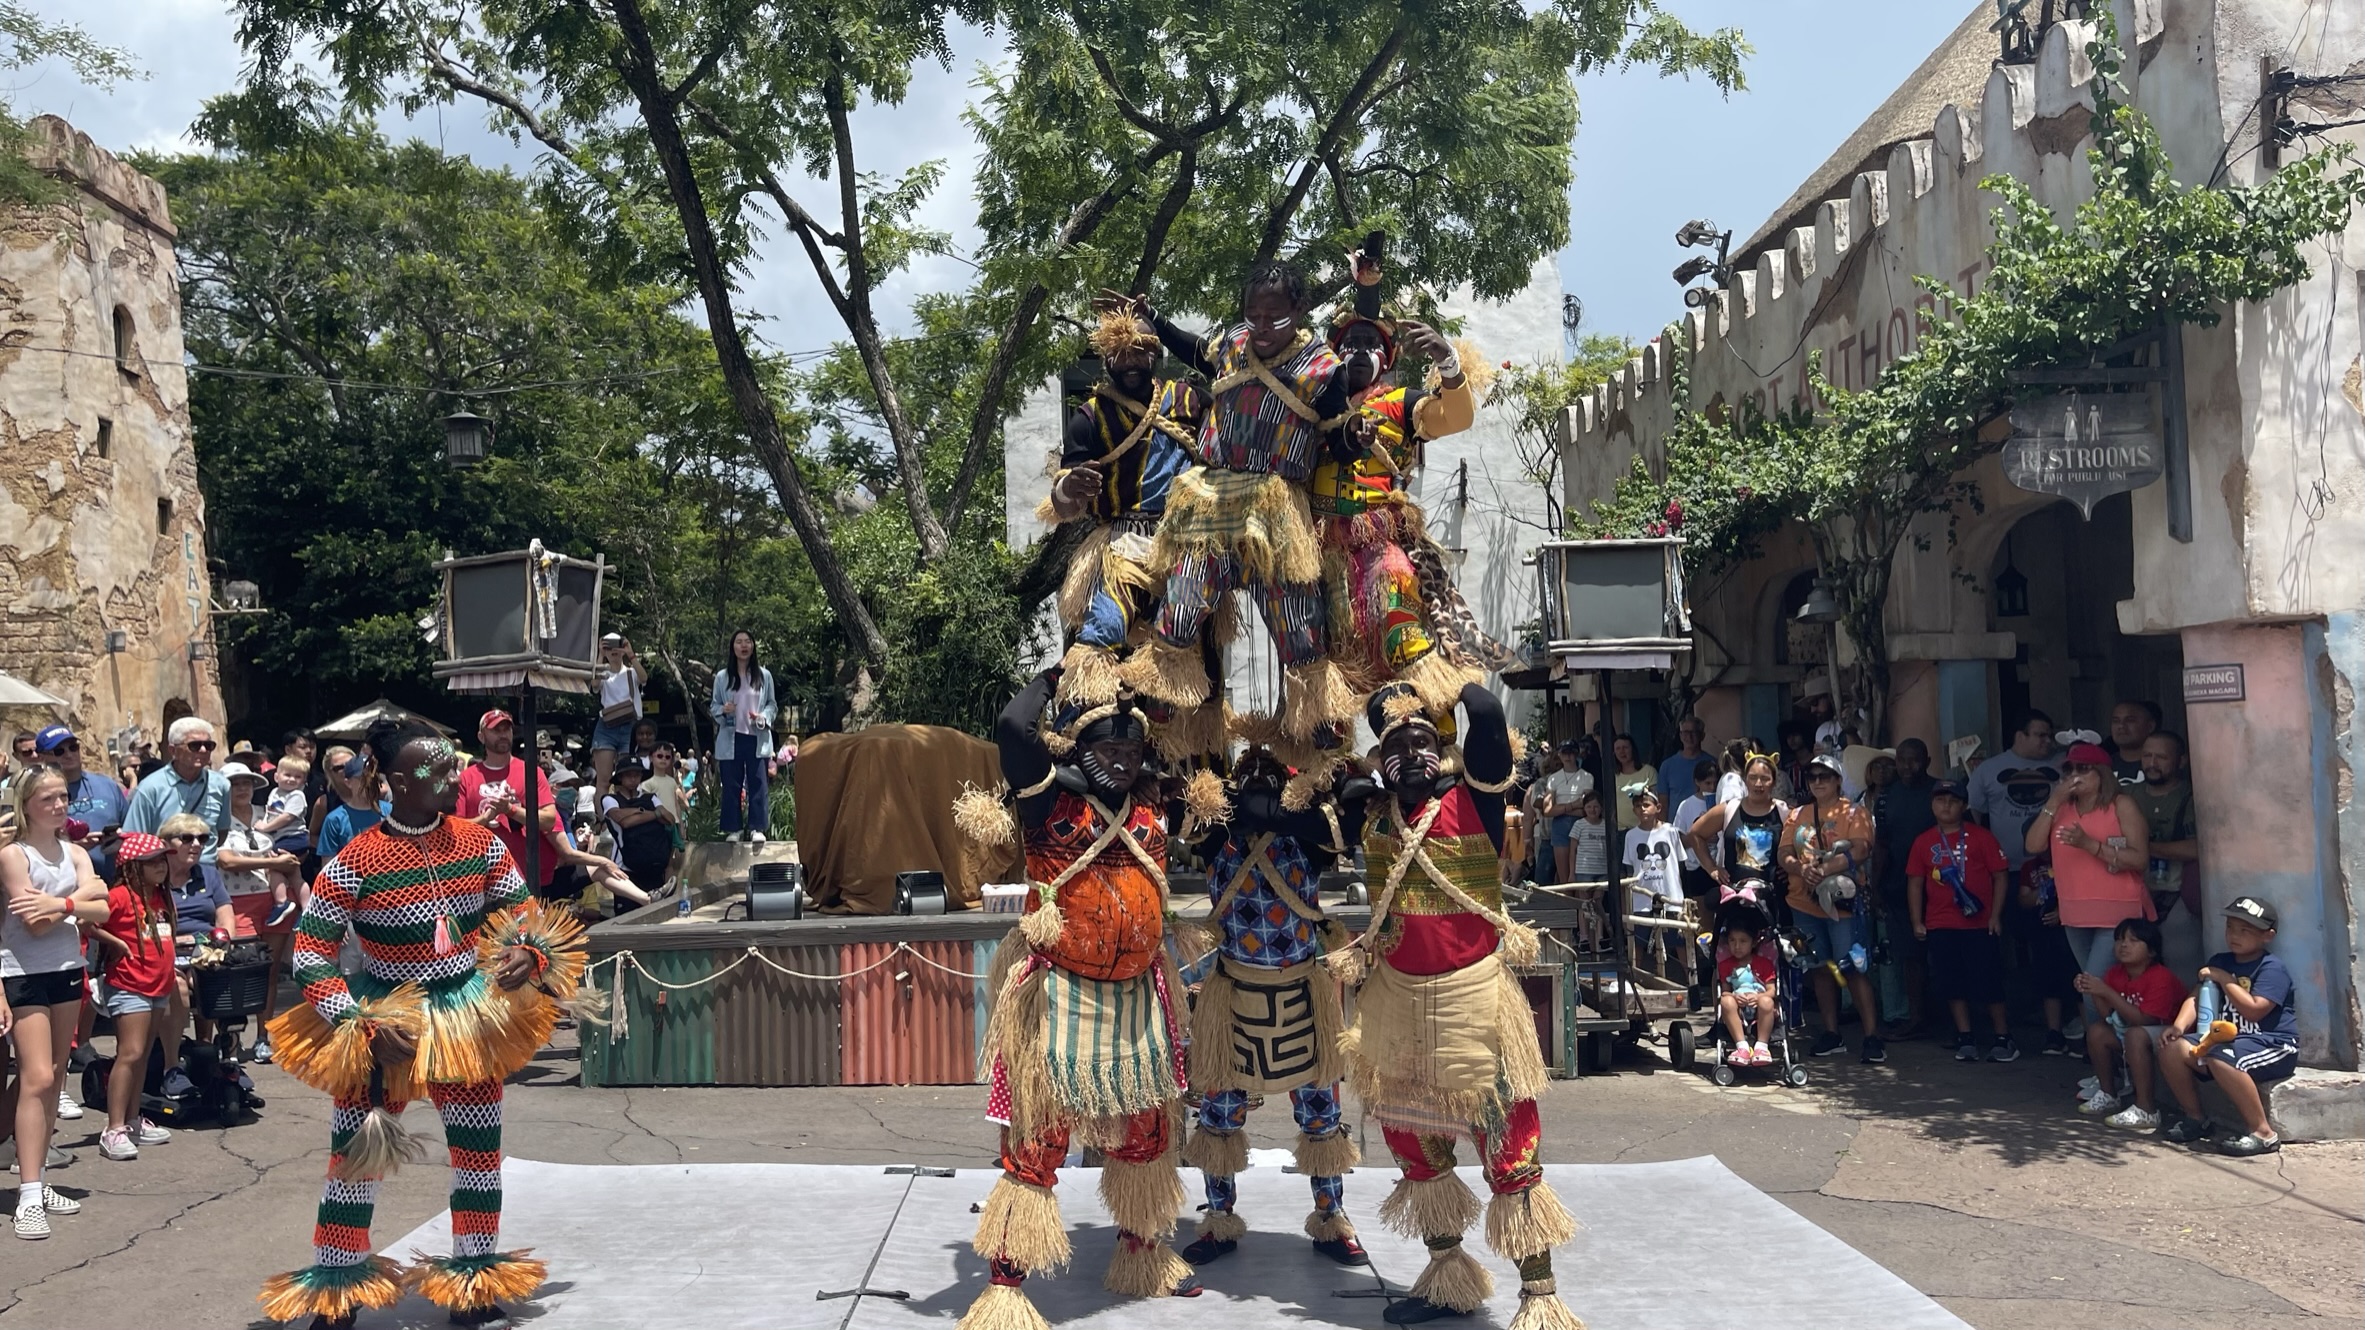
{"x": 201, "y": 908}
{"x": 49, "y": 891}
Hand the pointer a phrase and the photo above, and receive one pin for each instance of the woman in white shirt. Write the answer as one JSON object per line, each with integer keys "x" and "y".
{"x": 620, "y": 682}
{"x": 743, "y": 706}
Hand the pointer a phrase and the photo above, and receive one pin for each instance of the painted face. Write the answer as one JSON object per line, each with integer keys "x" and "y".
{"x": 1260, "y": 770}
{"x": 427, "y": 776}
{"x": 1411, "y": 759}
{"x": 1271, "y": 319}
{"x": 1111, "y": 765}
{"x": 1365, "y": 356}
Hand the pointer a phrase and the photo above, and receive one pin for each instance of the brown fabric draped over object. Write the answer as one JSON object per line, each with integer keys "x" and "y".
{"x": 873, "y": 803}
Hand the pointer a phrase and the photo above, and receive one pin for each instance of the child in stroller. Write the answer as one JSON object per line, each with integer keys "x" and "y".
{"x": 1753, "y": 993}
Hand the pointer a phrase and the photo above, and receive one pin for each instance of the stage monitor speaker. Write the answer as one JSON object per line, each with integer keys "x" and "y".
{"x": 776, "y": 891}
{"x": 921, "y": 893}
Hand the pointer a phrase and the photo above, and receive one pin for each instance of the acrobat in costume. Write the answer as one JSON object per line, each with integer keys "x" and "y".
{"x": 1239, "y": 521}
{"x": 419, "y": 907}
{"x": 1395, "y": 613}
{"x": 1444, "y": 1044}
{"x": 1085, "y": 1037}
{"x": 1267, "y": 1019}
{"x": 1111, "y": 585}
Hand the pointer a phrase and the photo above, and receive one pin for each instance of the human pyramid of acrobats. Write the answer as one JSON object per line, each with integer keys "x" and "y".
{"x": 1281, "y": 475}
{"x": 1276, "y": 467}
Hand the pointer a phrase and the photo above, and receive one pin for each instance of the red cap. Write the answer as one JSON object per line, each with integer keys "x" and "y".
{"x": 2087, "y": 755}
{"x": 494, "y": 717}
{"x": 137, "y": 845}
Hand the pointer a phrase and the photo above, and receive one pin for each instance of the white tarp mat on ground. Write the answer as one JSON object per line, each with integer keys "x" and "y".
{"x": 724, "y": 1246}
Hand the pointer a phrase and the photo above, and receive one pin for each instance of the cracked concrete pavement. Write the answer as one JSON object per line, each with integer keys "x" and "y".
{"x": 1973, "y": 1182}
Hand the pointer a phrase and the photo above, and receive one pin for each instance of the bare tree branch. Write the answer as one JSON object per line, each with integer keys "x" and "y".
{"x": 1350, "y": 109}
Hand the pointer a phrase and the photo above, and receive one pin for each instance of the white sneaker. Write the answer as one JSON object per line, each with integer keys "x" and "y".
{"x": 31, "y": 1220}
{"x": 755, "y": 838}
{"x": 67, "y": 1108}
{"x": 148, "y": 1133}
{"x": 2088, "y": 1086}
{"x": 2134, "y": 1119}
{"x": 2102, "y": 1104}
{"x": 115, "y": 1143}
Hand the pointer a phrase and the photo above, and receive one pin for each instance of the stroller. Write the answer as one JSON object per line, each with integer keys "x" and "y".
{"x": 1789, "y": 977}
{"x": 227, "y": 987}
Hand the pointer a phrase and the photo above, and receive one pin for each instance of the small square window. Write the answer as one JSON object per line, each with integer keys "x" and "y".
{"x": 106, "y": 438}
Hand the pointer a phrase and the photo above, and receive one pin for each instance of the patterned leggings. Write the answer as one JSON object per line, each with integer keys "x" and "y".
{"x": 1508, "y": 1157}
{"x": 471, "y": 1126}
{"x": 1035, "y": 1160}
{"x": 1316, "y": 1108}
{"x": 1197, "y": 584}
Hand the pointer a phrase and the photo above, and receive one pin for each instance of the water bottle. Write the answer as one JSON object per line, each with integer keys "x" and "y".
{"x": 681, "y": 905}
{"x": 2205, "y": 1005}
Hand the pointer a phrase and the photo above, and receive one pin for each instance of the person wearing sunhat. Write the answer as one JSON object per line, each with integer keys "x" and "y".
{"x": 2256, "y": 998}
{"x": 136, "y": 988}
{"x": 1826, "y": 846}
{"x": 1442, "y": 1047}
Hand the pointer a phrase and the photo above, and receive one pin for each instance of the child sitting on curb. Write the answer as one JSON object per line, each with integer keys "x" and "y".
{"x": 2265, "y": 1046}
{"x": 2138, "y": 996}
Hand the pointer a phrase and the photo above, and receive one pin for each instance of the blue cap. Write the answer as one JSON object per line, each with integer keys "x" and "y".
{"x": 51, "y": 738}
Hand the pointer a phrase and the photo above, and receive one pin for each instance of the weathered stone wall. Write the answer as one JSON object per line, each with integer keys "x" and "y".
{"x": 101, "y": 524}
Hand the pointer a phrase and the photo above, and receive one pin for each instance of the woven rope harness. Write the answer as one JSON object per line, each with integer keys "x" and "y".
{"x": 1263, "y": 373}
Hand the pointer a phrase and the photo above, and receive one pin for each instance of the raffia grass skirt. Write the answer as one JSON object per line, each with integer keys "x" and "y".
{"x": 1458, "y": 1048}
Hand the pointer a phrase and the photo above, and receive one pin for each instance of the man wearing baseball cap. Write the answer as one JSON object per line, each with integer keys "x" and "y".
{"x": 493, "y": 794}
{"x": 93, "y": 800}
{"x": 2256, "y": 999}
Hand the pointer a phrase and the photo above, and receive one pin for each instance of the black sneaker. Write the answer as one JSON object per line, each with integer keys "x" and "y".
{"x": 488, "y": 1317}
{"x": 1344, "y": 1251}
{"x": 2182, "y": 1130}
{"x": 2004, "y": 1051}
{"x": 1416, "y": 1311}
{"x": 2250, "y": 1144}
{"x": 1875, "y": 1052}
{"x": 2055, "y": 1045}
{"x": 1966, "y": 1049}
{"x": 1826, "y": 1044}
{"x": 1208, "y": 1248}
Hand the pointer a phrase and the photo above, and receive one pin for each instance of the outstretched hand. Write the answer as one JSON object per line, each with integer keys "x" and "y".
{"x": 1427, "y": 341}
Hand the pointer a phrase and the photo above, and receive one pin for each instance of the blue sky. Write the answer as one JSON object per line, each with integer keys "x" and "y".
{"x": 1651, "y": 153}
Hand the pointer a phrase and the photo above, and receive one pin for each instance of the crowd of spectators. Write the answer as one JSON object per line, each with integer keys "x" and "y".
{"x": 2067, "y": 862}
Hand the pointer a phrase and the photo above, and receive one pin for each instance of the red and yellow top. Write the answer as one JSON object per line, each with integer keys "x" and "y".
{"x": 1343, "y": 491}
{"x": 1427, "y": 931}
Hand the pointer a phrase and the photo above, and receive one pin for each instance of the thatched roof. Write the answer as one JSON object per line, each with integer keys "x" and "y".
{"x": 1955, "y": 73}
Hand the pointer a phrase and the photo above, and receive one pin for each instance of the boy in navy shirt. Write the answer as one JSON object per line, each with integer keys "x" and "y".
{"x": 2257, "y": 999}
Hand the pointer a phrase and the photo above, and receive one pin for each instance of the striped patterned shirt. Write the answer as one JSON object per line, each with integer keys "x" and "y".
{"x": 389, "y": 891}
{"x": 1250, "y": 429}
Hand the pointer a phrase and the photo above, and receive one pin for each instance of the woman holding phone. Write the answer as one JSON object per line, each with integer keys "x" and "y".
{"x": 743, "y": 706}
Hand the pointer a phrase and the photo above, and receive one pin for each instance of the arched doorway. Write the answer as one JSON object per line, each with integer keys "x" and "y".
{"x": 2055, "y": 584}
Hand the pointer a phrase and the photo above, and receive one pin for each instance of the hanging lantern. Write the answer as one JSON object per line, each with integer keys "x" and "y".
{"x": 464, "y": 438}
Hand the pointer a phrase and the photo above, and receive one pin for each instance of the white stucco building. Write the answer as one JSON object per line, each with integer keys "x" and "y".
{"x": 2140, "y": 601}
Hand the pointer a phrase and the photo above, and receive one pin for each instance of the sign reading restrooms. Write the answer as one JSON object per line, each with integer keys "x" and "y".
{"x": 2084, "y": 447}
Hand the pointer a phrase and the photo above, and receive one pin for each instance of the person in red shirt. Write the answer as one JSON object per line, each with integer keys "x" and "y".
{"x": 2140, "y": 997}
{"x": 493, "y": 794}
{"x": 1955, "y": 876}
{"x": 1745, "y": 991}
{"x": 136, "y": 987}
